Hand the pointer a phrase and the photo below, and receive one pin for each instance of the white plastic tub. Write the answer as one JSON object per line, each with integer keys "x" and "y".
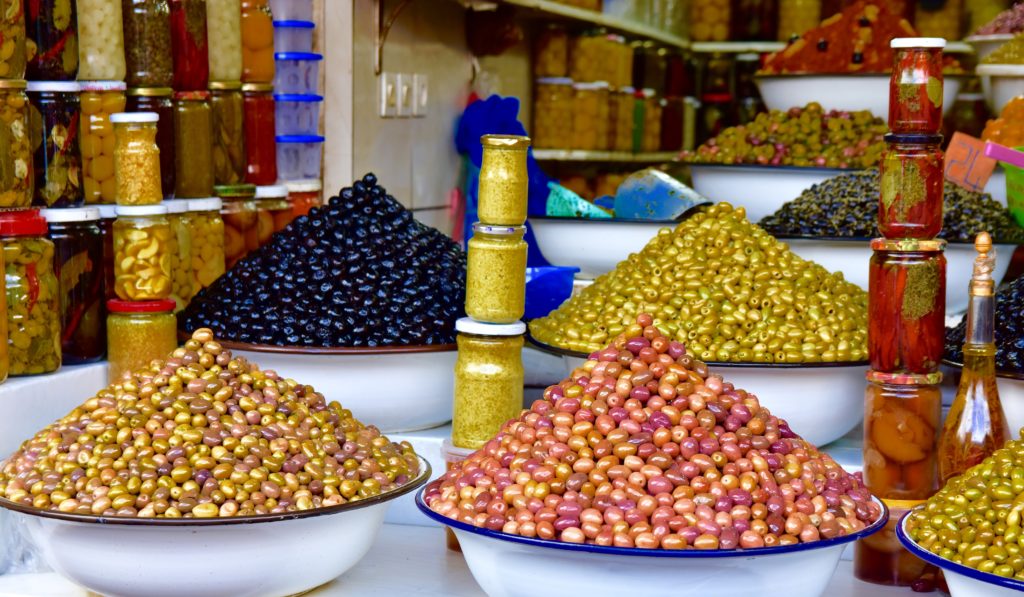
{"x": 297, "y": 72}
{"x": 297, "y": 114}
{"x": 293, "y": 36}
{"x": 298, "y": 156}
{"x": 292, "y": 10}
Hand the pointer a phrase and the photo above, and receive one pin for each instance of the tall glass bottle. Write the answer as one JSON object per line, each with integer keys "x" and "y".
{"x": 975, "y": 426}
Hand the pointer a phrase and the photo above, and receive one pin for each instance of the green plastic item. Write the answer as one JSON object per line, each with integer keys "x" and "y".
{"x": 563, "y": 203}
{"x": 1015, "y": 192}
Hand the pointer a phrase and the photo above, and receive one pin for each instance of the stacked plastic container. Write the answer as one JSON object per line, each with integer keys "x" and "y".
{"x": 296, "y": 86}
{"x": 906, "y": 311}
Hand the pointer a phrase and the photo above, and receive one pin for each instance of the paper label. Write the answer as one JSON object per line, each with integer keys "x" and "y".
{"x": 966, "y": 162}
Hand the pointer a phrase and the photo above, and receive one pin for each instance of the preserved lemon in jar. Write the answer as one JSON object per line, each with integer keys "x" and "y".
{"x": 496, "y": 274}
{"x": 488, "y": 380}
{"x": 142, "y": 253}
{"x": 181, "y": 247}
{"x": 206, "y": 229}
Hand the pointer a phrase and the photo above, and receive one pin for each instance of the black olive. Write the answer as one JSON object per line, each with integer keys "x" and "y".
{"x": 822, "y": 44}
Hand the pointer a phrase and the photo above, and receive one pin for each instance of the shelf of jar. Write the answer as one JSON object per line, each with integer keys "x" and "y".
{"x": 764, "y": 47}
{"x": 580, "y": 155}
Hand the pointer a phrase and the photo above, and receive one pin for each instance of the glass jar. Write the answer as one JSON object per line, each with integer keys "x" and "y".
{"x": 142, "y": 253}
{"x": 588, "y": 57}
{"x": 488, "y": 380}
{"x": 551, "y": 52}
{"x": 915, "y": 86}
{"x": 137, "y": 333}
{"x": 100, "y": 40}
{"x": 137, "y": 158}
{"x": 753, "y": 20}
{"x": 193, "y": 177}
{"x": 797, "y": 17}
{"x": 224, "y": 28}
{"x": 51, "y": 43}
{"x": 304, "y": 195}
{"x": 620, "y": 64}
{"x": 655, "y": 67}
{"x": 99, "y": 99}
{"x": 58, "y": 160}
{"x": 590, "y": 116}
{"x": 620, "y": 119}
{"x": 257, "y": 42}
{"x": 181, "y": 248}
{"x": 78, "y": 265}
{"x": 906, "y": 305}
{"x": 496, "y": 274}
{"x": 942, "y": 22}
{"x": 33, "y": 294}
{"x": 12, "y": 32}
{"x": 709, "y": 20}
{"x": 912, "y": 187}
{"x": 239, "y": 214}
{"x": 17, "y": 180}
{"x": 273, "y": 211}
{"x": 189, "y": 45}
{"x": 552, "y": 114}
{"x": 652, "y": 121}
{"x": 227, "y": 114}
{"x": 149, "y": 59}
{"x": 672, "y": 124}
{"x": 206, "y": 229}
{"x": 108, "y": 214}
{"x": 159, "y": 100}
{"x": 969, "y": 114}
{"x": 679, "y": 74}
{"x": 503, "y": 180}
{"x": 260, "y": 138}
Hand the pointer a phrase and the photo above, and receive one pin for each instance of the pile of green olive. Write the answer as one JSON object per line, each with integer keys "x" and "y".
{"x": 204, "y": 435}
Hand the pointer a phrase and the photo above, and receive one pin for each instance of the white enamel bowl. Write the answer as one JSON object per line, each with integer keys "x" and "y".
{"x": 761, "y": 190}
{"x": 512, "y": 566}
{"x": 1001, "y": 83}
{"x": 257, "y": 556}
{"x": 821, "y": 402}
{"x": 398, "y": 389}
{"x": 847, "y": 92}
{"x": 962, "y": 581}
{"x": 594, "y": 246}
{"x": 986, "y": 44}
{"x": 851, "y": 257}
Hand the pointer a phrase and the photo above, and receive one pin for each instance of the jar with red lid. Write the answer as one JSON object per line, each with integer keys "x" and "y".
{"x": 189, "y": 45}
{"x": 137, "y": 333}
{"x": 159, "y": 100}
{"x": 260, "y": 138}
{"x": 912, "y": 186}
{"x": 906, "y": 305}
{"x": 193, "y": 129}
{"x": 304, "y": 195}
{"x": 915, "y": 86}
{"x": 55, "y": 121}
{"x": 78, "y": 265}
{"x": 33, "y": 294}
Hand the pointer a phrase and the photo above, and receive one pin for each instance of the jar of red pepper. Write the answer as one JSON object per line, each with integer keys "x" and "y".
{"x": 915, "y": 86}
{"x": 912, "y": 177}
{"x": 260, "y": 138}
{"x": 189, "y": 45}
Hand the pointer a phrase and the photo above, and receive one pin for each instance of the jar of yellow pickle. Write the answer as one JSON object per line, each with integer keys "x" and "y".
{"x": 620, "y": 64}
{"x": 99, "y": 100}
{"x": 496, "y": 274}
{"x": 488, "y": 380}
{"x": 943, "y": 22}
{"x": 709, "y": 20}
{"x": 137, "y": 158}
{"x": 551, "y": 52}
{"x": 180, "y": 247}
{"x": 137, "y": 333}
{"x": 590, "y": 116}
{"x": 620, "y": 119}
{"x": 206, "y": 229}
{"x": 142, "y": 253}
{"x": 17, "y": 182}
{"x": 589, "y": 56}
{"x": 552, "y": 113}
{"x": 33, "y": 294}
{"x": 652, "y": 121}
{"x": 797, "y": 16}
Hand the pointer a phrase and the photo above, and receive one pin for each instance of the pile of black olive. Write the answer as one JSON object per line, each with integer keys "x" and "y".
{"x": 359, "y": 271}
{"x": 847, "y": 206}
{"x": 1009, "y": 329}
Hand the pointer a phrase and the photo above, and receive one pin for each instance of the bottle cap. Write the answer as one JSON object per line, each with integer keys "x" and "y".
{"x": 22, "y": 222}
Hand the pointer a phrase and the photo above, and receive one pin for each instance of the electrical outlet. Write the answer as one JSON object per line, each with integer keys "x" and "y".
{"x": 420, "y": 95}
{"x": 403, "y": 87}
{"x": 388, "y": 95}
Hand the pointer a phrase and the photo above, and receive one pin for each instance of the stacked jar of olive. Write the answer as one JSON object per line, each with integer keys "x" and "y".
{"x": 906, "y": 310}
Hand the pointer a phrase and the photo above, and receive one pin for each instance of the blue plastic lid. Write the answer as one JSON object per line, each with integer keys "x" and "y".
{"x": 295, "y": 24}
{"x": 300, "y": 139}
{"x": 297, "y": 97}
{"x": 298, "y": 56}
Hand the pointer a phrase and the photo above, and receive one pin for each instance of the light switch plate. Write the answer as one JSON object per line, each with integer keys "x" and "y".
{"x": 388, "y": 95}
{"x": 405, "y": 96}
{"x": 420, "y": 95}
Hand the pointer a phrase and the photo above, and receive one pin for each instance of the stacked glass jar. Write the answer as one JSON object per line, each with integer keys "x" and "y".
{"x": 906, "y": 311}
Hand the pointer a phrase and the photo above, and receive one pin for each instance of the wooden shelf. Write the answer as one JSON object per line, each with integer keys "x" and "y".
{"x": 760, "y": 47}
{"x": 579, "y": 155}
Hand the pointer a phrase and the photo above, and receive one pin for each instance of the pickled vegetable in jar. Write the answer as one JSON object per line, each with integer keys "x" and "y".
{"x": 99, "y": 99}
{"x": 496, "y": 274}
{"x": 228, "y": 117}
{"x": 142, "y": 253}
{"x": 189, "y": 45}
{"x": 915, "y": 86}
{"x": 51, "y": 43}
{"x": 239, "y": 215}
{"x": 206, "y": 229}
{"x": 100, "y": 40}
{"x": 912, "y": 178}
{"x": 78, "y": 265}
{"x": 753, "y": 20}
{"x": 12, "y": 42}
{"x": 137, "y": 158}
{"x": 108, "y": 214}
{"x": 590, "y": 116}
{"x": 137, "y": 333}
{"x": 304, "y": 195}
{"x": 652, "y": 121}
{"x": 17, "y": 180}
{"x": 159, "y": 100}
{"x": 488, "y": 380}
{"x": 709, "y": 20}
{"x": 796, "y": 17}
{"x": 943, "y": 21}
{"x": 33, "y": 294}
{"x": 273, "y": 211}
{"x": 149, "y": 59}
{"x": 552, "y": 113}
{"x": 224, "y": 29}
{"x": 551, "y": 52}
{"x": 257, "y": 42}
{"x": 260, "y": 138}
{"x": 589, "y": 57}
{"x": 57, "y": 161}
{"x": 503, "y": 180}
{"x": 906, "y": 305}
{"x": 181, "y": 247}
{"x": 193, "y": 176}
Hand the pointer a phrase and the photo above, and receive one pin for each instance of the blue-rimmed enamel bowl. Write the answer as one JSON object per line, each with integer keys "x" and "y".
{"x": 512, "y": 566}
{"x": 962, "y": 581}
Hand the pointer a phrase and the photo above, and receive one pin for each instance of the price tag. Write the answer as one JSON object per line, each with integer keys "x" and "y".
{"x": 966, "y": 162}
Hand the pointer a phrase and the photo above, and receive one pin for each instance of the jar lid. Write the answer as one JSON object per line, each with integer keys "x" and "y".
{"x": 649, "y": 93}
{"x": 235, "y": 191}
{"x": 908, "y": 245}
{"x": 258, "y": 87}
{"x": 554, "y": 81}
{"x": 192, "y": 96}
{"x": 176, "y": 206}
{"x": 272, "y": 191}
{"x": 306, "y": 98}
{"x": 13, "y": 83}
{"x": 158, "y": 306}
{"x": 627, "y": 89}
{"x": 918, "y": 42}
{"x": 309, "y": 185}
{"x": 471, "y": 326}
{"x": 141, "y": 210}
{"x": 151, "y": 91}
{"x": 295, "y": 24}
{"x": 905, "y": 379}
{"x": 912, "y": 139}
{"x": 134, "y": 117}
{"x": 225, "y": 85}
{"x": 505, "y": 141}
{"x": 70, "y": 214}
{"x": 595, "y": 85}
{"x": 107, "y": 212}
{"x": 498, "y": 230}
{"x": 299, "y": 138}
{"x": 208, "y": 204}
{"x": 103, "y": 85}
{"x": 22, "y": 222}
{"x": 308, "y": 56}
{"x": 58, "y": 86}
